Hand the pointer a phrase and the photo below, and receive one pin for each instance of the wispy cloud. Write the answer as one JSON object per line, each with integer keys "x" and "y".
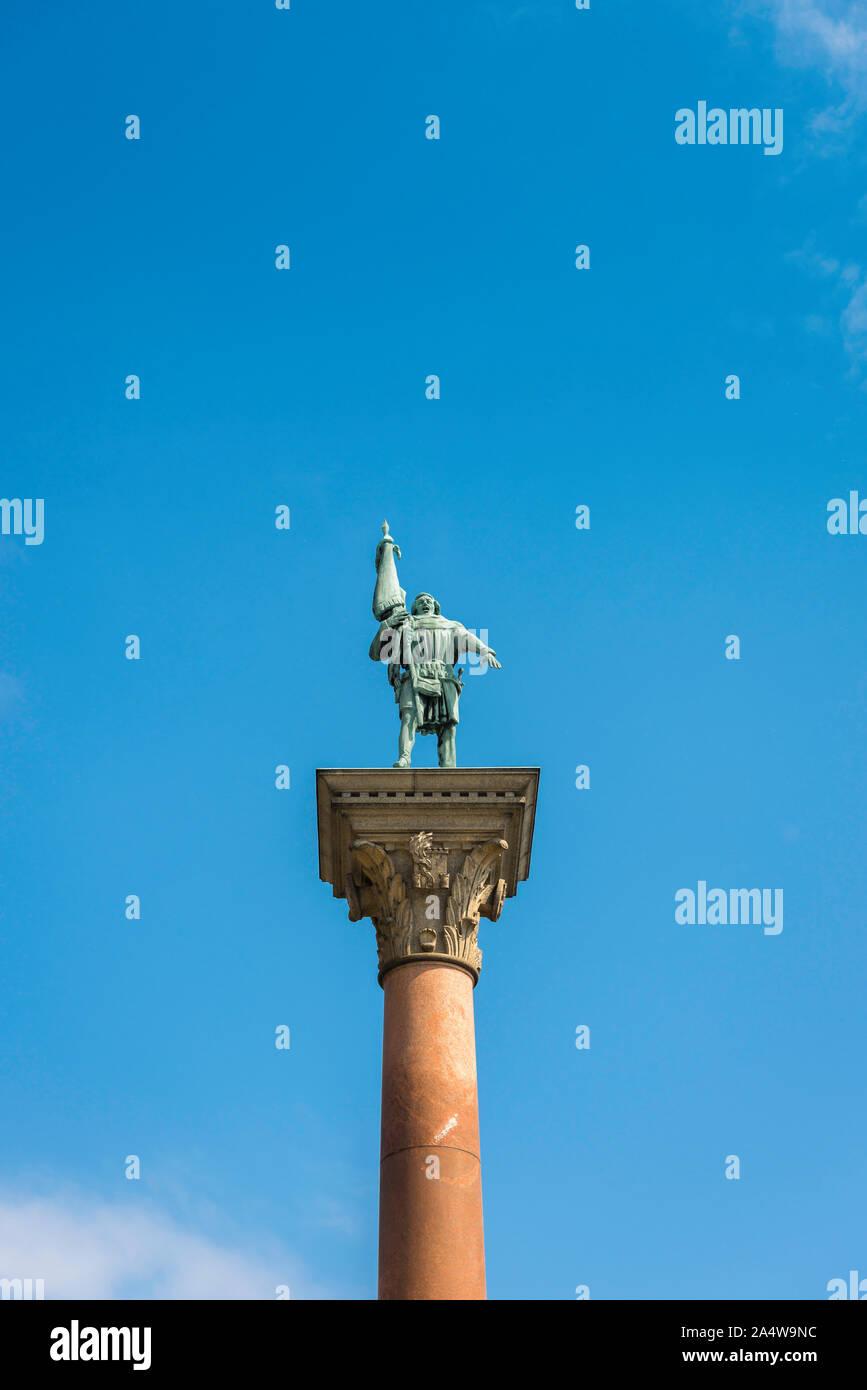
{"x": 808, "y": 258}
{"x": 831, "y": 36}
{"x": 854, "y": 324}
{"x": 831, "y": 32}
{"x": 87, "y": 1249}
{"x": 848, "y": 284}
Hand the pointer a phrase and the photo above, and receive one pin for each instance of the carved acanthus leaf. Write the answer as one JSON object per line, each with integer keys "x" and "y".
{"x": 477, "y": 886}
{"x": 384, "y": 900}
{"x": 375, "y": 866}
{"x": 475, "y": 883}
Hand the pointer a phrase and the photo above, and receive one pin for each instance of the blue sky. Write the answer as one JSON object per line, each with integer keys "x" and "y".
{"x": 306, "y": 388}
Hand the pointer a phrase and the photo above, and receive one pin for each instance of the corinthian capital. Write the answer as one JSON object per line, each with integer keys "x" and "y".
{"x": 426, "y": 855}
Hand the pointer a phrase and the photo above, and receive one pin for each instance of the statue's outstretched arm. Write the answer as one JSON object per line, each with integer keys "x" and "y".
{"x": 469, "y": 642}
{"x": 465, "y": 641}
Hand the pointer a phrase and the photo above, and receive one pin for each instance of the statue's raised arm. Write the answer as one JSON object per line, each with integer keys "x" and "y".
{"x": 388, "y": 597}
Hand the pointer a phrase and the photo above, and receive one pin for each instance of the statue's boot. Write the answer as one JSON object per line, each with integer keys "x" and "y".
{"x": 401, "y": 762}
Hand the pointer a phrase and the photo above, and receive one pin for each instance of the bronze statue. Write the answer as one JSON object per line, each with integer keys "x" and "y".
{"x": 420, "y": 649}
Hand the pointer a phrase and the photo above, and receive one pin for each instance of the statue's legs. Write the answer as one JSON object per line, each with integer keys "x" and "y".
{"x": 446, "y": 746}
{"x": 406, "y": 738}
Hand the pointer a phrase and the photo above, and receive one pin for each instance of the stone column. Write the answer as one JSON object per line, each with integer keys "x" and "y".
{"x": 430, "y": 1179}
{"x": 425, "y": 854}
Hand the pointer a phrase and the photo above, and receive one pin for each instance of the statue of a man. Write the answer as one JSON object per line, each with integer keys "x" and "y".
{"x": 420, "y": 649}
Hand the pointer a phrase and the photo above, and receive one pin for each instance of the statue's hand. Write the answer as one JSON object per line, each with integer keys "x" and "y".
{"x": 492, "y": 661}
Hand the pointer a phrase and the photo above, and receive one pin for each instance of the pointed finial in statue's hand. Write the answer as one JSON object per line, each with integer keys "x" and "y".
{"x": 387, "y": 536}
{"x": 388, "y": 596}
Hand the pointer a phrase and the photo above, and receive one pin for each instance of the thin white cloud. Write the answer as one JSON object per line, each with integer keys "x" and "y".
{"x": 808, "y": 258}
{"x": 831, "y": 36}
{"x": 847, "y": 283}
{"x": 854, "y": 324}
{"x": 87, "y": 1249}
{"x": 832, "y": 32}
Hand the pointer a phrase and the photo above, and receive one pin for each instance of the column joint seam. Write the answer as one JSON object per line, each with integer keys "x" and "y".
{"x": 407, "y": 1147}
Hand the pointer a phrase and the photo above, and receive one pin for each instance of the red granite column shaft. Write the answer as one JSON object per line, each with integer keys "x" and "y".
{"x": 431, "y": 1242}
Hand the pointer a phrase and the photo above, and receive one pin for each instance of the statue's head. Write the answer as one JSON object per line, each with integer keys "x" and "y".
{"x": 424, "y": 603}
